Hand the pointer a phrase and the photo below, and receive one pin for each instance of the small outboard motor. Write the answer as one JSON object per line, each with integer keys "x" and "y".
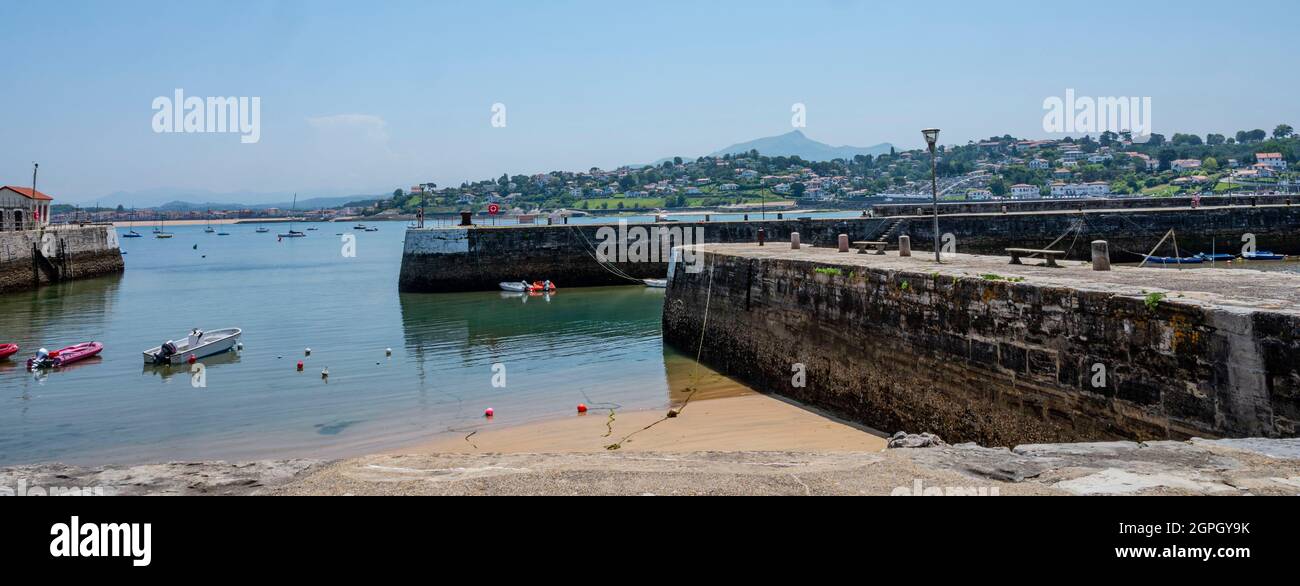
{"x": 165, "y": 352}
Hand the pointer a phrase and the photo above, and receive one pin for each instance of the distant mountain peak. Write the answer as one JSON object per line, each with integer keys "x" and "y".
{"x": 796, "y": 143}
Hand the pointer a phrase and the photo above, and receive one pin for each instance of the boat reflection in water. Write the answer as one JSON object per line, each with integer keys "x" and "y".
{"x": 210, "y": 364}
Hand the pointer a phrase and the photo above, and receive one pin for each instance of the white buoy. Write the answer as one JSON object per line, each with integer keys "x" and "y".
{"x": 388, "y": 351}
{"x": 307, "y": 352}
{"x": 325, "y": 372}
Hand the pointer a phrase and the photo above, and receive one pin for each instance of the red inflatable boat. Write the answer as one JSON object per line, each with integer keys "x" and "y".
{"x": 65, "y": 356}
{"x": 7, "y": 350}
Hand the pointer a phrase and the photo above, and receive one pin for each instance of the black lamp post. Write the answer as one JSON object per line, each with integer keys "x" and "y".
{"x": 932, "y": 137}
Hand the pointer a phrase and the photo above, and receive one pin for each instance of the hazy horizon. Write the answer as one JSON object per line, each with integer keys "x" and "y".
{"x": 360, "y": 98}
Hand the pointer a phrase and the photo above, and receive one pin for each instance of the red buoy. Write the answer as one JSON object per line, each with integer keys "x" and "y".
{"x": 488, "y": 412}
{"x": 191, "y": 359}
{"x": 299, "y": 365}
{"x": 582, "y": 408}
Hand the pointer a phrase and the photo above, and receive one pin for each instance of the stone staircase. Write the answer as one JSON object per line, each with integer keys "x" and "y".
{"x": 53, "y": 268}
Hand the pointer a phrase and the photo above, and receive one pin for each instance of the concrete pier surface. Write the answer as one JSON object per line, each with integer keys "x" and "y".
{"x": 978, "y": 350}
{"x": 1198, "y": 467}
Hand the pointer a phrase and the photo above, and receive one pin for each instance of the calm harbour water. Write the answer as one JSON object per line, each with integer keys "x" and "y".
{"x": 600, "y": 346}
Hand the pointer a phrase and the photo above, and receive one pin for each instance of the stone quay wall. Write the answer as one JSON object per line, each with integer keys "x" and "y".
{"x": 66, "y": 253}
{"x": 478, "y": 258}
{"x": 997, "y": 362}
{"x": 923, "y": 207}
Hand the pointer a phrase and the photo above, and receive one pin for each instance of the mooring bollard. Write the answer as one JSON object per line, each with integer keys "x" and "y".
{"x": 780, "y": 216}
{"x": 904, "y": 246}
{"x": 465, "y": 218}
{"x": 1100, "y": 255}
{"x": 1004, "y": 209}
{"x": 550, "y": 221}
{"x": 844, "y": 242}
{"x": 762, "y": 236}
{"x": 746, "y": 217}
{"x": 706, "y": 217}
{"x": 794, "y": 241}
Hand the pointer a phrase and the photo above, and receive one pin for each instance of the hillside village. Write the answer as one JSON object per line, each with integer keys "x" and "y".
{"x": 998, "y": 168}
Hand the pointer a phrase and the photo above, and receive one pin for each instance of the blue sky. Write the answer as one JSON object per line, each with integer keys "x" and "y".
{"x": 366, "y": 97}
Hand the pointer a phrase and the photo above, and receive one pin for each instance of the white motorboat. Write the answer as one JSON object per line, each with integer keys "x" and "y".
{"x": 656, "y": 283}
{"x": 515, "y": 287}
{"x": 197, "y": 344}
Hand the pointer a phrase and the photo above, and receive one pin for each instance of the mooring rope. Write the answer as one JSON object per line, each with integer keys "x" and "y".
{"x": 591, "y": 251}
{"x": 695, "y": 372}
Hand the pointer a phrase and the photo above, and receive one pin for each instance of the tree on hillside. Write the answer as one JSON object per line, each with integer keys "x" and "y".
{"x": 998, "y": 186}
{"x": 797, "y": 189}
{"x": 1283, "y": 131}
{"x": 1167, "y": 157}
{"x": 1245, "y": 136}
{"x": 1215, "y": 139}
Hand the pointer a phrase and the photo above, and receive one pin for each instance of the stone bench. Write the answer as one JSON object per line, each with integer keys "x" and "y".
{"x": 863, "y": 245}
{"x": 1050, "y": 255}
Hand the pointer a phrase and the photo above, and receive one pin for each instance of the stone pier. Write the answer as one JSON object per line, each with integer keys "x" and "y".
{"x": 33, "y": 258}
{"x": 477, "y": 258}
{"x": 978, "y": 350}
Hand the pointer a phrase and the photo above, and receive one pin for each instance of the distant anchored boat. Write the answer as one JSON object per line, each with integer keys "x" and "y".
{"x": 526, "y": 287}
{"x": 656, "y": 283}
{"x": 1219, "y": 257}
{"x": 1263, "y": 255}
{"x": 197, "y": 344}
{"x": 7, "y": 350}
{"x": 262, "y": 230}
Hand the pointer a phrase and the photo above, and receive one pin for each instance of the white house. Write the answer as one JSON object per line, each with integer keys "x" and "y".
{"x": 1091, "y": 189}
{"x": 1274, "y": 161}
{"x": 1181, "y": 165}
{"x": 1039, "y": 164}
{"x": 1024, "y": 191}
{"x": 22, "y": 208}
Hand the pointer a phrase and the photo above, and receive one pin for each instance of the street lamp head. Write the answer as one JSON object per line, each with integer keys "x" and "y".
{"x": 931, "y": 136}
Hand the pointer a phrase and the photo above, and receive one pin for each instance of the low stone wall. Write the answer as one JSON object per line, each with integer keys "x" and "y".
{"x": 991, "y": 361}
{"x": 73, "y": 252}
{"x": 478, "y": 258}
{"x": 1090, "y": 203}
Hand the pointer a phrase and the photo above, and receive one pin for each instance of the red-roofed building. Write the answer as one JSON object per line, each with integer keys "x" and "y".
{"x": 1273, "y": 160}
{"x": 23, "y": 208}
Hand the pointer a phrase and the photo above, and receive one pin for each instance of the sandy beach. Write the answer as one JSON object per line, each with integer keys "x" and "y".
{"x": 750, "y": 422}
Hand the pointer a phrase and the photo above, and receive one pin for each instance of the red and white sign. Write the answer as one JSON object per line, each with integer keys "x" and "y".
{"x": 493, "y": 208}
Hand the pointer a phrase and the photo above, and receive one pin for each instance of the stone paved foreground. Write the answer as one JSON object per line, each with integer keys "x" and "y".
{"x": 1221, "y": 467}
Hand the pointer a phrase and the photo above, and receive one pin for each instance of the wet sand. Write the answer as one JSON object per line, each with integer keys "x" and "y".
{"x": 750, "y": 422}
